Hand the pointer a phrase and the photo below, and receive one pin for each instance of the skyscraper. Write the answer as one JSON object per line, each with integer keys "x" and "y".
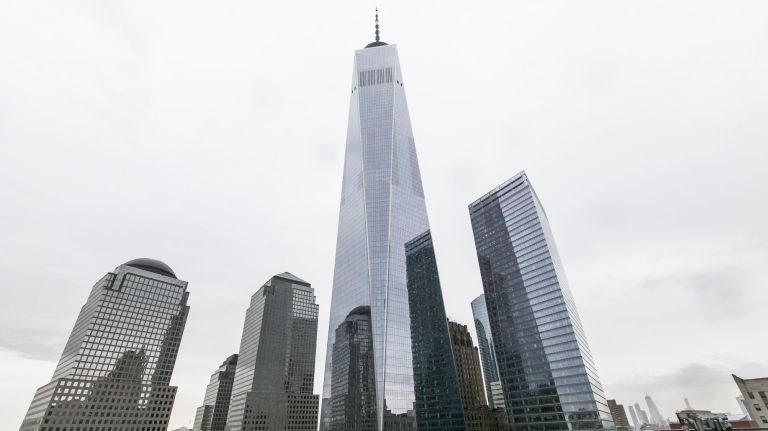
{"x": 619, "y": 415}
{"x": 642, "y": 415}
{"x": 212, "y": 415}
{"x": 545, "y": 366}
{"x": 117, "y": 364}
{"x": 487, "y": 353}
{"x": 385, "y": 260}
{"x": 656, "y": 416}
{"x": 635, "y": 422}
{"x": 273, "y": 382}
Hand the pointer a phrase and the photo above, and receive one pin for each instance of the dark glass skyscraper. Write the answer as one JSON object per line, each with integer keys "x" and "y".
{"x": 382, "y": 219}
{"x": 212, "y": 415}
{"x": 275, "y": 373}
{"x": 545, "y": 366}
{"x": 116, "y": 367}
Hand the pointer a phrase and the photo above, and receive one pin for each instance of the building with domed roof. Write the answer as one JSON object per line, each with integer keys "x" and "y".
{"x": 115, "y": 371}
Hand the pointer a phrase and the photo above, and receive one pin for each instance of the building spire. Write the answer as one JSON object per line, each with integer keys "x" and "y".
{"x": 378, "y": 41}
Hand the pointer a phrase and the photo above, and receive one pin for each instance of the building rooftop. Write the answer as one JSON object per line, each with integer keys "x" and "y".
{"x": 152, "y": 265}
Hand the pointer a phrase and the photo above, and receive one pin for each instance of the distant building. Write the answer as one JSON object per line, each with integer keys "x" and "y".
{"x": 487, "y": 353}
{"x": 497, "y": 395}
{"x": 743, "y": 407}
{"x": 212, "y": 415}
{"x": 272, "y": 388}
{"x": 656, "y": 417}
{"x": 467, "y": 360}
{"x": 642, "y": 415}
{"x": 548, "y": 376}
{"x": 116, "y": 368}
{"x": 619, "y": 415}
{"x": 477, "y": 414}
{"x": 755, "y": 393}
{"x": 635, "y": 421}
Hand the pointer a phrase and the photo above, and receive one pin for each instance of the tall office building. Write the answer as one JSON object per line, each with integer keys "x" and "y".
{"x": 477, "y": 415}
{"x": 742, "y": 405}
{"x": 385, "y": 260}
{"x": 656, "y": 416}
{"x": 272, "y": 388}
{"x": 755, "y": 393}
{"x": 642, "y": 415}
{"x": 545, "y": 366}
{"x": 619, "y": 415}
{"x": 116, "y": 367}
{"x": 212, "y": 415}
{"x": 487, "y": 353}
{"x": 635, "y": 421}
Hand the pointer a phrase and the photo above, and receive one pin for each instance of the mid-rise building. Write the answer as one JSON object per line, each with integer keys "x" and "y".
{"x": 212, "y": 415}
{"x": 116, "y": 367}
{"x": 274, "y": 377}
{"x": 385, "y": 261}
{"x": 477, "y": 415}
{"x": 619, "y": 415}
{"x": 467, "y": 360}
{"x": 545, "y": 366}
{"x": 487, "y": 353}
{"x": 755, "y": 393}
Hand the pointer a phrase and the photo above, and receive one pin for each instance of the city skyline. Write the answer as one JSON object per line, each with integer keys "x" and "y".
{"x": 140, "y": 139}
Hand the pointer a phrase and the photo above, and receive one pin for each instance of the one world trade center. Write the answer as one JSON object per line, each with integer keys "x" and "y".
{"x": 388, "y": 364}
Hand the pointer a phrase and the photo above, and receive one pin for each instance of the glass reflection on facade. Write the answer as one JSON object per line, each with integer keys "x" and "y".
{"x": 353, "y": 387}
{"x": 275, "y": 372}
{"x": 546, "y": 370}
{"x": 382, "y": 209}
{"x": 116, "y": 367}
{"x": 487, "y": 352}
{"x": 438, "y": 396}
{"x": 212, "y": 415}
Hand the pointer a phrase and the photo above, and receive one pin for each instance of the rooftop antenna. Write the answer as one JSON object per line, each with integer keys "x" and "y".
{"x": 377, "y": 24}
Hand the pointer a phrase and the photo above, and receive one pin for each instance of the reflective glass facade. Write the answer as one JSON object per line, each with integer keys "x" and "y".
{"x": 116, "y": 367}
{"x": 275, "y": 373}
{"x": 382, "y": 209}
{"x": 487, "y": 351}
{"x": 212, "y": 415}
{"x": 546, "y": 370}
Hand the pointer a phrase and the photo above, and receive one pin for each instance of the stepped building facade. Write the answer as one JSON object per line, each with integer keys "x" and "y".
{"x": 212, "y": 415}
{"x": 275, "y": 373}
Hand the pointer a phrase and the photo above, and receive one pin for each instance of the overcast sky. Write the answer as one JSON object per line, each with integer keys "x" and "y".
{"x": 210, "y": 135}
